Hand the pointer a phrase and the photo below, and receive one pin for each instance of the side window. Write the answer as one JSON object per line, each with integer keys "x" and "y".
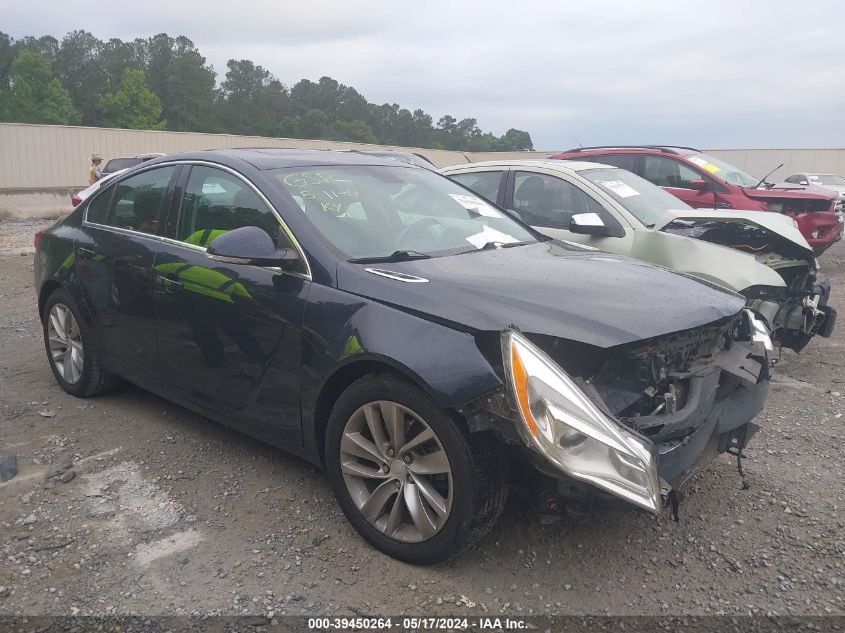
{"x": 484, "y": 183}
{"x": 542, "y": 200}
{"x": 137, "y": 201}
{"x": 216, "y": 202}
{"x": 623, "y": 161}
{"x": 666, "y": 172}
{"x": 98, "y": 208}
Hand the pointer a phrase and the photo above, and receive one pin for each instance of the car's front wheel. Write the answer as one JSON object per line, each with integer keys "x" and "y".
{"x": 408, "y": 479}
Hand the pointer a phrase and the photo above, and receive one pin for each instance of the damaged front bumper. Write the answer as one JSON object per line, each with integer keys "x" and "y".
{"x": 794, "y": 317}
{"x": 575, "y": 440}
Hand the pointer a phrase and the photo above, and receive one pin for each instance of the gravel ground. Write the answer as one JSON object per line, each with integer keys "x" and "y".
{"x": 129, "y": 504}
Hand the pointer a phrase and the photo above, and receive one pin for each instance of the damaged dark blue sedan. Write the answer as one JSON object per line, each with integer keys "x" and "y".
{"x": 382, "y": 321}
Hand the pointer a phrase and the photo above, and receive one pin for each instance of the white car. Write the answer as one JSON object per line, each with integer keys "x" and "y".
{"x": 762, "y": 256}
{"x": 828, "y": 181}
{"x": 77, "y": 198}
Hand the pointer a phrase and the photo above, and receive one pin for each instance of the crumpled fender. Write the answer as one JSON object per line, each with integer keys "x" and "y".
{"x": 722, "y": 265}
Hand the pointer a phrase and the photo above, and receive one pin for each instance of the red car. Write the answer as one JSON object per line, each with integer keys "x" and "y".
{"x": 705, "y": 181}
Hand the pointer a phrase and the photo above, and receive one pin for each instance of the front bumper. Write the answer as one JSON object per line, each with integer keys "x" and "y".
{"x": 722, "y": 401}
{"x": 727, "y": 424}
{"x": 821, "y": 229}
{"x": 794, "y": 318}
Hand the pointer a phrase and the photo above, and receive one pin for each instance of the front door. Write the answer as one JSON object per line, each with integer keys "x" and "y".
{"x": 229, "y": 334}
{"x": 548, "y": 202}
{"x": 114, "y": 260}
{"x": 675, "y": 177}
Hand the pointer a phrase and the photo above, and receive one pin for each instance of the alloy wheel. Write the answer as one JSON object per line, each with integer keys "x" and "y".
{"x": 65, "y": 343}
{"x": 396, "y": 471}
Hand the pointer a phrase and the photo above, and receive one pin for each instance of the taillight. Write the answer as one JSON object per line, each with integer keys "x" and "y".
{"x": 75, "y": 200}
{"x": 38, "y": 236}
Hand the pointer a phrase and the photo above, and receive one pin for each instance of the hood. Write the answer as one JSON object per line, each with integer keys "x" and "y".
{"x": 788, "y": 190}
{"x": 779, "y": 231}
{"x": 547, "y": 288}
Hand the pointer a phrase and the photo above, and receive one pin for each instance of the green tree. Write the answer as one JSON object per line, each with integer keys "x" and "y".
{"x": 133, "y": 105}
{"x": 184, "y": 83}
{"x": 35, "y": 95}
{"x": 78, "y": 67}
{"x": 253, "y": 100}
{"x": 248, "y": 100}
{"x": 355, "y": 131}
{"x": 7, "y": 57}
{"x": 517, "y": 141}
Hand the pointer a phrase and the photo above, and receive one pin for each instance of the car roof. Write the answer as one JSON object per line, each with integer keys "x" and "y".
{"x": 558, "y": 165}
{"x": 276, "y": 158}
{"x": 678, "y": 150}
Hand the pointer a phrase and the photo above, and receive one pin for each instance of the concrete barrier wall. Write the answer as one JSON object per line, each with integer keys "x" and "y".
{"x": 41, "y": 166}
{"x": 759, "y": 162}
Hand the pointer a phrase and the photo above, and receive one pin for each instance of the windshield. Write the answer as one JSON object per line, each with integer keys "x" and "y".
{"x": 642, "y": 199}
{"x": 377, "y": 211}
{"x": 727, "y": 172}
{"x": 827, "y": 179}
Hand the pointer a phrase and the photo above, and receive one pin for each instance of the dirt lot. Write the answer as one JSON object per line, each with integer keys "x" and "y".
{"x": 169, "y": 513}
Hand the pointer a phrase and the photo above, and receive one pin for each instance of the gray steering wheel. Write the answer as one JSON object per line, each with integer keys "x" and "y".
{"x": 416, "y": 226}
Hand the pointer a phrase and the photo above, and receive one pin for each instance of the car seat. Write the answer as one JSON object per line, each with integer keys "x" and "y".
{"x": 527, "y": 198}
{"x": 145, "y": 208}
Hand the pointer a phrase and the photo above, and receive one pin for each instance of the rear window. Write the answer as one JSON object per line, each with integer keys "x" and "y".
{"x": 623, "y": 161}
{"x": 137, "y": 201}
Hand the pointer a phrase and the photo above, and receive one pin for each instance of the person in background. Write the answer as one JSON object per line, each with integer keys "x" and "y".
{"x": 94, "y": 171}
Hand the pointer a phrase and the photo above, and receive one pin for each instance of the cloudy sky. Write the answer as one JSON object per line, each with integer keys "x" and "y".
{"x": 715, "y": 74}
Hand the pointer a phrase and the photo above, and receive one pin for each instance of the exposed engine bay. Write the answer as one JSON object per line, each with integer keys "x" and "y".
{"x": 795, "y": 312}
{"x": 691, "y": 393}
{"x": 644, "y": 386}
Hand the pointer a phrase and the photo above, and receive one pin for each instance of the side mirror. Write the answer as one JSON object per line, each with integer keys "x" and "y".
{"x": 803, "y": 182}
{"x": 588, "y": 224}
{"x": 252, "y": 246}
{"x": 699, "y": 184}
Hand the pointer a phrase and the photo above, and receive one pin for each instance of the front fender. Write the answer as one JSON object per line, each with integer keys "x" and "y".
{"x": 340, "y": 329}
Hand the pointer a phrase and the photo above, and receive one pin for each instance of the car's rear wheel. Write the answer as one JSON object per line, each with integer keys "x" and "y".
{"x": 407, "y": 478}
{"x": 71, "y": 351}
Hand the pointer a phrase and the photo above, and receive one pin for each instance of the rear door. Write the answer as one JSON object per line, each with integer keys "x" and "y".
{"x": 229, "y": 334}
{"x": 114, "y": 260}
{"x": 487, "y": 183}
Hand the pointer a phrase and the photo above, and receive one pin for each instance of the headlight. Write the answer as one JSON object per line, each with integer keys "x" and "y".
{"x": 560, "y": 422}
{"x": 759, "y": 330}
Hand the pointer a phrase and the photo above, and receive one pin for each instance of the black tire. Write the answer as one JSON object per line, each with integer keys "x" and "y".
{"x": 479, "y": 474}
{"x": 94, "y": 380}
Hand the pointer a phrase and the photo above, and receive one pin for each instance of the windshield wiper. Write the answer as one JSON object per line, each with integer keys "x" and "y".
{"x": 512, "y": 244}
{"x": 763, "y": 179}
{"x": 395, "y": 256}
{"x": 493, "y": 245}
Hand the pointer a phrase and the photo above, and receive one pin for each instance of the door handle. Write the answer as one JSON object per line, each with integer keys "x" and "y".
{"x": 169, "y": 285}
